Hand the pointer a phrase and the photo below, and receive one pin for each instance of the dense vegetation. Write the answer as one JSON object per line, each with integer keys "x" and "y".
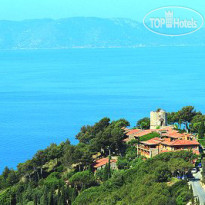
{"x": 187, "y": 116}
{"x": 63, "y": 174}
{"x": 148, "y": 182}
{"x": 59, "y": 173}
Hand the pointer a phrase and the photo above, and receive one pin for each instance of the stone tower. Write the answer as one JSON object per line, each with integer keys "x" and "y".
{"x": 158, "y": 119}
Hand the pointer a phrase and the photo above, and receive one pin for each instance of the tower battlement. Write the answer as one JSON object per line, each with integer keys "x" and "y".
{"x": 158, "y": 119}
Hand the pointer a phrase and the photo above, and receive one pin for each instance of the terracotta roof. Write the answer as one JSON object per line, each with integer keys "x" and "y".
{"x": 184, "y": 142}
{"x": 133, "y": 131}
{"x": 181, "y": 142}
{"x": 165, "y": 142}
{"x": 153, "y": 141}
{"x": 143, "y": 132}
{"x": 170, "y": 132}
{"x": 102, "y": 162}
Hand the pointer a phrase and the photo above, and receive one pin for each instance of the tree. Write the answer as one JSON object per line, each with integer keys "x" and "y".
{"x": 144, "y": 123}
{"x": 122, "y": 163}
{"x": 52, "y": 181}
{"x": 68, "y": 157}
{"x": 201, "y": 130}
{"x": 13, "y": 199}
{"x": 51, "y": 198}
{"x": 12, "y": 178}
{"x": 82, "y": 180}
{"x": 187, "y": 113}
{"x": 106, "y": 173}
{"x": 45, "y": 197}
{"x": 172, "y": 117}
{"x": 196, "y": 121}
{"x": 87, "y": 133}
{"x": 179, "y": 166}
{"x": 35, "y": 199}
{"x": 6, "y": 172}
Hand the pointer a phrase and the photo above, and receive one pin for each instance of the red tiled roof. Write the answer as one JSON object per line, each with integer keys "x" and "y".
{"x": 153, "y": 141}
{"x": 165, "y": 142}
{"x": 181, "y": 142}
{"x": 143, "y": 132}
{"x": 173, "y": 134}
{"x": 170, "y": 132}
{"x": 133, "y": 131}
{"x": 184, "y": 142}
{"x": 102, "y": 162}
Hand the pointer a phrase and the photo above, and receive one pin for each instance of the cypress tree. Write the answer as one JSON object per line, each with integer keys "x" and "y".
{"x": 105, "y": 173}
{"x": 67, "y": 193}
{"x": 13, "y": 199}
{"x": 201, "y": 130}
{"x": 109, "y": 170}
{"x": 60, "y": 201}
{"x": 35, "y": 199}
{"x": 59, "y": 191}
{"x": 63, "y": 194}
{"x": 45, "y": 196}
{"x": 51, "y": 199}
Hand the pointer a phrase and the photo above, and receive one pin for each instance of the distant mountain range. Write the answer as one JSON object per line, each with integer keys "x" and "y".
{"x": 82, "y": 32}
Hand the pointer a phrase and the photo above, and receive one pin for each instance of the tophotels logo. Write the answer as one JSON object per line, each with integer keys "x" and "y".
{"x": 173, "y": 21}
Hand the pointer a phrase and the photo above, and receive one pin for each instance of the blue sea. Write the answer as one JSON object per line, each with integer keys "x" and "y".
{"x": 46, "y": 96}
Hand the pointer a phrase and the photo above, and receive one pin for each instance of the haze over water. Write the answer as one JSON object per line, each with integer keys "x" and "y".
{"x": 47, "y": 95}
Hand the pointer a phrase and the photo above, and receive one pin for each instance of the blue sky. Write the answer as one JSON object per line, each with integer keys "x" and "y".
{"x": 134, "y": 9}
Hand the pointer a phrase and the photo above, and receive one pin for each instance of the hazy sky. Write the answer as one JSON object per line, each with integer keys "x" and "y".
{"x": 134, "y": 9}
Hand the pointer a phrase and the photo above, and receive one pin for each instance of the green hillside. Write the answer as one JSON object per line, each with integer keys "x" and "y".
{"x": 64, "y": 174}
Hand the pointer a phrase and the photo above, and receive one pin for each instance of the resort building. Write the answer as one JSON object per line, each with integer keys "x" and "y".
{"x": 169, "y": 139}
{"x": 100, "y": 163}
{"x": 152, "y": 147}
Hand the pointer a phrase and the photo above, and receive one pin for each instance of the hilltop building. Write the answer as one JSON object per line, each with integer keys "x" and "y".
{"x": 158, "y": 119}
{"x": 152, "y": 147}
{"x": 168, "y": 140}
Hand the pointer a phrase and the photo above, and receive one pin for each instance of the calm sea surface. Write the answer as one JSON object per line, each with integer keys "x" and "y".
{"x": 47, "y": 95}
